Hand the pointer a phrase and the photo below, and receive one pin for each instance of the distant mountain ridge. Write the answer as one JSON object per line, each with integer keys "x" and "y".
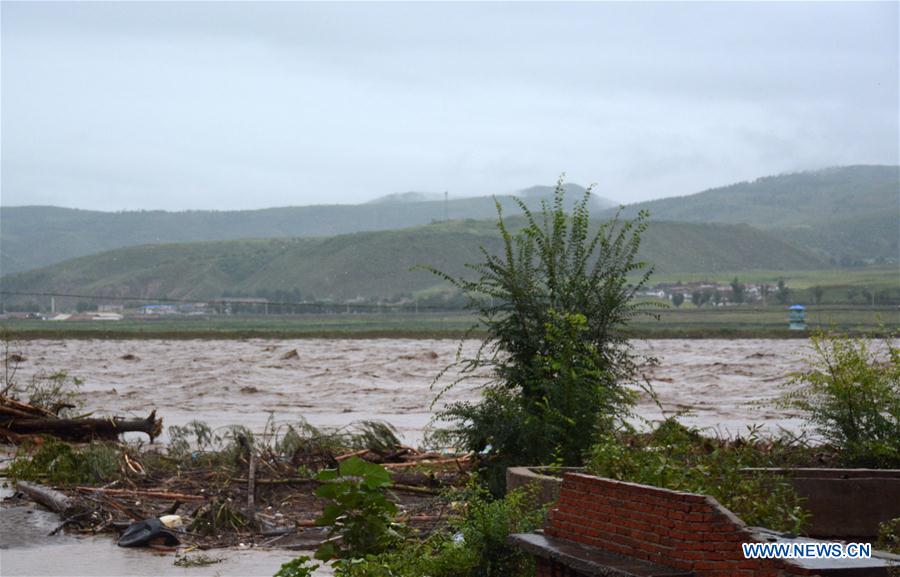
{"x": 372, "y": 265}
{"x": 842, "y": 212}
{"x": 36, "y": 236}
{"x": 843, "y": 215}
{"x": 411, "y": 196}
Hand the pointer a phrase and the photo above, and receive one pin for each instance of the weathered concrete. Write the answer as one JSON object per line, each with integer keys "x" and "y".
{"x": 590, "y": 561}
{"x": 548, "y": 479}
{"x": 847, "y": 503}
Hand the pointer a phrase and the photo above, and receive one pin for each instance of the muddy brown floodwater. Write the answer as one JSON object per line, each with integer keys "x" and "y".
{"x": 333, "y": 382}
{"x": 723, "y": 384}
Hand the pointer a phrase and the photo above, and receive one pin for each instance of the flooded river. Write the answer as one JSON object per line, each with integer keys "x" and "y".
{"x": 722, "y": 384}
{"x": 333, "y": 382}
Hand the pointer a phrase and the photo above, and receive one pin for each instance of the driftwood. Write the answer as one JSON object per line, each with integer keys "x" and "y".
{"x": 12, "y": 406}
{"x": 79, "y": 429}
{"x": 165, "y": 495}
{"x": 51, "y": 499}
{"x": 251, "y": 486}
{"x": 459, "y": 461}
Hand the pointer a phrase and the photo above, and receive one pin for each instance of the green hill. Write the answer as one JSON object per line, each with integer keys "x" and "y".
{"x": 842, "y": 213}
{"x": 372, "y": 265}
{"x": 36, "y": 236}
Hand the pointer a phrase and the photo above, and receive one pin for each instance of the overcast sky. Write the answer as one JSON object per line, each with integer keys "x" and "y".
{"x": 236, "y": 105}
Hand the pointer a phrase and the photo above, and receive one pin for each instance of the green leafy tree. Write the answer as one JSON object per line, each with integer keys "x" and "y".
{"x": 818, "y": 292}
{"x": 764, "y": 291}
{"x": 553, "y": 303}
{"x": 868, "y": 296}
{"x": 697, "y": 298}
{"x": 738, "y": 289}
{"x": 782, "y": 293}
{"x": 678, "y": 299}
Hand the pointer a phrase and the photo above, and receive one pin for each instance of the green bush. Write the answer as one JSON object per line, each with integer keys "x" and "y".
{"x": 850, "y": 396}
{"x": 299, "y": 567}
{"x": 473, "y": 546}
{"x": 889, "y": 536}
{"x": 60, "y": 463}
{"x": 359, "y": 514}
{"x": 680, "y": 458}
{"x": 553, "y": 304}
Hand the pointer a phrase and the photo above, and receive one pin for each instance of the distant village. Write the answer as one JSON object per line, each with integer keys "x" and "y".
{"x": 697, "y": 293}
{"x": 705, "y": 293}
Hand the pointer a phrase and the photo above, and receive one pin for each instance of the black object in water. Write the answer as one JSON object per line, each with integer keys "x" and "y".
{"x": 145, "y": 532}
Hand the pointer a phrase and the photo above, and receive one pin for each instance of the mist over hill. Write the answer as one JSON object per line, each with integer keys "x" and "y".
{"x": 36, "y": 236}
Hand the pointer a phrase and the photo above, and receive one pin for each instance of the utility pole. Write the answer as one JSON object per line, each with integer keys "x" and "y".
{"x": 446, "y": 207}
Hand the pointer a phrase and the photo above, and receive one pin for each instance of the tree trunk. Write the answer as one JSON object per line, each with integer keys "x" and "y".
{"x": 53, "y": 500}
{"x": 84, "y": 429}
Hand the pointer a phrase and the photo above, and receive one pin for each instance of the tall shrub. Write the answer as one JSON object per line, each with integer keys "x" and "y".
{"x": 850, "y": 397}
{"x": 553, "y": 303}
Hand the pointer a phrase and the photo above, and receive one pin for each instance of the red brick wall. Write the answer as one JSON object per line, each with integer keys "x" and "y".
{"x": 671, "y": 528}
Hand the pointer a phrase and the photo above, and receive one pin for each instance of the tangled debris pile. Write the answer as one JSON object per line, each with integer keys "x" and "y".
{"x": 230, "y": 487}
{"x": 19, "y": 420}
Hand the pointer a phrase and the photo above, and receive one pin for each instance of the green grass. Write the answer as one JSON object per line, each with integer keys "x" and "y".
{"x": 423, "y": 325}
{"x": 686, "y": 322}
{"x": 767, "y": 321}
{"x": 874, "y": 277}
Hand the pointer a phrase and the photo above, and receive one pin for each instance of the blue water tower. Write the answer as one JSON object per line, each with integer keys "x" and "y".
{"x": 797, "y": 318}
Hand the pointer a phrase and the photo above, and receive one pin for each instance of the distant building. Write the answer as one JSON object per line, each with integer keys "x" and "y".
{"x": 244, "y": 305}
{"x": 194, "y": 308}
{"x": 106, "y": 316}
{"x": 111, "y": 309}
{"x": 158, "y": 310}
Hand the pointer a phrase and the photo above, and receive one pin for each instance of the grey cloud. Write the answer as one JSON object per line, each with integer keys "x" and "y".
{"x": 238, "y": 105}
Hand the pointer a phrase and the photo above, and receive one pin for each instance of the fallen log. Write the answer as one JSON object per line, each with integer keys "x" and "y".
{"x": 414, "y": 489}
{"x": 141, "y": 493}
{"x": 24, "y": 407}
{"x": 459, "y": 461}
{"x": 346, "y": 456}
{"x": 83, "y": 429}
{"x": 14, "y": 412}
{"x": 279, "y": 481}
{"x": 51, "y": 499}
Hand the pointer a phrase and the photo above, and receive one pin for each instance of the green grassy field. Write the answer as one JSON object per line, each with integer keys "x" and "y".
{"x": 687, "y": 322}
{"x": 752, "y": 321}
{"x": 872, "y": 277}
